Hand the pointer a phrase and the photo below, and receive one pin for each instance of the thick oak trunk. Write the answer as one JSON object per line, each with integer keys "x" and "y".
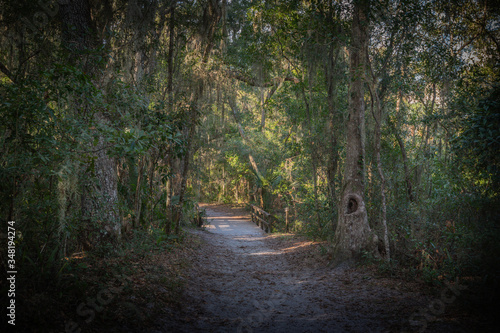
{"x": 100, "y": 195}
{"x": 100, "y": 199}
{"x": 353, "y": 235}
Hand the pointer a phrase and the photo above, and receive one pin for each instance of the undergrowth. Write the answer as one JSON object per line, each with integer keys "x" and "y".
{"x": 112, "y": 288}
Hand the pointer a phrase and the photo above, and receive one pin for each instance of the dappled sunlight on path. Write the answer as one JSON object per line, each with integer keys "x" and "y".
{"x": 230, "y": 225}
{"x": 244, "y": 280}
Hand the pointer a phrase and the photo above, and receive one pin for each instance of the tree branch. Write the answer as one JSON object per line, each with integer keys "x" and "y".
{"x": 232, "y": 104}
{"x": 253, "y": 82}
{"x": 7, "y": 73}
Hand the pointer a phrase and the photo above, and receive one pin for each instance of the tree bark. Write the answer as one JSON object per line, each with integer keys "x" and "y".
{"x": 169, "y": 186}
{"x": 409, "y": 187}
{"x": 334, "y": 117}
{"x": 170, "y": 61}
{"x": 100, "y": 193}
{"x": 353, "y": 235}
{"x": 314, "y": 153}
{"x": 377, "y": 115}
{"x": 170, "y": 70}
{"x": 185, "y": 167}
{"x": 138, "y": 199}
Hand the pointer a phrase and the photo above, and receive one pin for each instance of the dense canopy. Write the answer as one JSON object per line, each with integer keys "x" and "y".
{"x": 376, "y": 124}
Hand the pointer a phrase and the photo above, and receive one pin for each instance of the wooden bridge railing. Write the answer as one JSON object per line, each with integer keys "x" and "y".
{"x": 262, "y": 218}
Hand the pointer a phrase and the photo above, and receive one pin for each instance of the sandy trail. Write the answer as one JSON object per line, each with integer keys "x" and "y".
{"x": 243, "y": 280}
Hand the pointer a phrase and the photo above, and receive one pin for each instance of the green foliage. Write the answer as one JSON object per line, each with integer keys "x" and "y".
{"x": 478, "y": 142}
{"x": 148, "y": 103}
{"x": 35, "y": 171}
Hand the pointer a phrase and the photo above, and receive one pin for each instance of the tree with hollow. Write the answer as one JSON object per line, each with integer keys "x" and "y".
{"x": 353, "y": 235}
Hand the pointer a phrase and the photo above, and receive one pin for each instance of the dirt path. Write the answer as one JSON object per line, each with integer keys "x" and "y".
{"x": 243, "y": 280}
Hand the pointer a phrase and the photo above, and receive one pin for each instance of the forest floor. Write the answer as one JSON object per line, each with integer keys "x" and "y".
{"x": 230, "y": 276}
{"x": 244, "y": 280}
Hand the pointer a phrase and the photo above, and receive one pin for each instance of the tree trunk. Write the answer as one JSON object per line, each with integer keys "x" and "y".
{"x": 262, "y": 110}
{"x": 100, "y": 194}
{"x": 153, "y": 161}
{"x": 409, "y": 187}
{"x": 334, "y": 117}
{"x": 169, "y": 189}
{"x": 170, "y": 61}
{"x": 353, "y": 235}
{"x": 138, "y": 199}
{"x": 377, "y": 115}
{"x": 185, "y": 164}
{"x": 314, "y": 153}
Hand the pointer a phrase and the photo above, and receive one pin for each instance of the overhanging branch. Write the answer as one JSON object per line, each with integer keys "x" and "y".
{"x": 232, "y": 104}
{"x": 7, "y": 73}
{"x": 255, "y": 83}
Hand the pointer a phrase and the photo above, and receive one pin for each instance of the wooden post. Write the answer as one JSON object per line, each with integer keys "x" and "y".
{"x": 261, "y": 218}
{"x": 286, "y": 219}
